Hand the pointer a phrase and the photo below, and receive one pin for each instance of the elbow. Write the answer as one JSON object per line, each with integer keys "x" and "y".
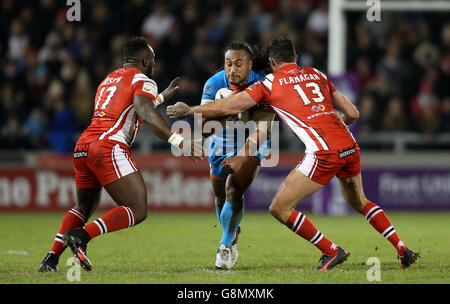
{"x": 355, "y": 114}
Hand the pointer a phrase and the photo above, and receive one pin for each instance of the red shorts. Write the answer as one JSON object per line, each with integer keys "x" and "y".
{"x": 101, "y": 162}
{"x": 322, "y": 166}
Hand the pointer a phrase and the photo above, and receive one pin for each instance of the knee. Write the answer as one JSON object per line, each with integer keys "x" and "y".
{"x": 85, "y": 211}
{"x": 140, "y": 213}
{"x": 220, "y": 201}
{"x": 276, "y": 212}
{"x": 235, "y": 192}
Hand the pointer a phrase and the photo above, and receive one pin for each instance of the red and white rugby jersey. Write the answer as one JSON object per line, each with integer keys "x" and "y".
{"x": 302, "y": 99}
{"x": 114, "y": 115}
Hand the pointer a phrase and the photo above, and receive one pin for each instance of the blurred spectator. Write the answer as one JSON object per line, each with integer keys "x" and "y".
{"x": 426, "y": 55}
{"x": 13, "y": 135}
{"x": 446, "y": 114}
{"x": 367, "y": 121}
{"x": 62, "y": 126}
{"x": 381, "y": 89}
{"x": 443, "y": 87}
{"x": 395, "y": 118}
{"x": 81, "y": 99}
{"x": 34, "y": 128}
{"x": 158, "y": 24}
{"x": 17, "y": 42}
{"x": 317, "y": 23}
{"x": 393, "y": 67}
{"x": 51, "y": 55}
{"x": 363, "y": 72}
{"x": 362, "y": 46}
{"x": 425, "y": 109}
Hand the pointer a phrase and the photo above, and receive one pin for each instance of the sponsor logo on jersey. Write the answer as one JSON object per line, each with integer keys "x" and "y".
{"x": 347, "y": 152}
{"x": 318, "y": 108}
{"x": 80, "y": 154}
{"x": 253, "y": 85}
{"x": 81, "y": 151}
{"x": 149, "y": 88}
{"x": 100, "y": 113}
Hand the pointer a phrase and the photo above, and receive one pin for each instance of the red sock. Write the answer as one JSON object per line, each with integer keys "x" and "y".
{"x": 301, "y": 225}
{"x": 379, "y": 220}
{"x": 72, "y": 219}
{"x": 118, "y": 218}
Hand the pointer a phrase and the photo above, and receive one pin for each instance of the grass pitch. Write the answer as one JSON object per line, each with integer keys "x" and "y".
{"x": 180, "y": 248}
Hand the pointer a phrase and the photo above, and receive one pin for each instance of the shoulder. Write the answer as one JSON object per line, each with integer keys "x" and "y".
{"x": 218, "y": 79}
{"x": 141, "y": 77}
{"x": 310, "y": 70}
{"x": 255, "y": 76}
{"x": 268, "y": 80}
{"x": 213, "y": 84}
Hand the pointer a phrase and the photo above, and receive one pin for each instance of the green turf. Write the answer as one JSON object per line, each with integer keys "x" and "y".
{"x": 180, "y": 248}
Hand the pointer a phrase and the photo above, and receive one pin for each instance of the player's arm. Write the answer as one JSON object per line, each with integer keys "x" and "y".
{"x": 232, "y": 105}
{"x": 204, "y": 133}
{"x": 168, "y": 92}
{"x": 146, "y": 109}
{"x": 263, "y": 121}
{"x": 341, "y": 103}
{"x": 258, "y": 137}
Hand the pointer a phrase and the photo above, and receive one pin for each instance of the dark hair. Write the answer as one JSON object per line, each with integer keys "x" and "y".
{"x": 259, "y": 58}
{"x": 282, "y": 50}
{"x": 133, "y": 47}
{"x": 241, "y": 45}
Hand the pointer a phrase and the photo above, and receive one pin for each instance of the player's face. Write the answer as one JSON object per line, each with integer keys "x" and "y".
{"x": 237, "y": 66}
{"x": 150, "y": 62}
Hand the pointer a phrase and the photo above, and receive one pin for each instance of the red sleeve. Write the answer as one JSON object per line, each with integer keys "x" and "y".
{"x": 257, "y": 91}
{"x": 327, "y": 79}
{"x": 147, "y": 88}
{"x": 331, "y": 86}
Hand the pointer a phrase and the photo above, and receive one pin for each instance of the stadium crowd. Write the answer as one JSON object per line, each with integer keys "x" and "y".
{"x": 50, "y": 67}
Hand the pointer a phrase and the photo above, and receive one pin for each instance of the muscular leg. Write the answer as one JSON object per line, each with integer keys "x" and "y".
{"x": 130, "y": 191}
{"x": 130, "y": 194}
{"x": 87, "y": 201}
{"x": 295, "y": 188}
{"x": 236, "y": 185}
{"x": 352, "y": 190}
{"x": 218, "y": 186}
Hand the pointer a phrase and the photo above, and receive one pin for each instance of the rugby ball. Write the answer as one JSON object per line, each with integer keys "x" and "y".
{"x": 224, "y": 93}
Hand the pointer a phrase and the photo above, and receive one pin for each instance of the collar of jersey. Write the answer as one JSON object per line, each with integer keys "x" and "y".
{"x": 238, "y": 88}
{"x": 289, "y": 66}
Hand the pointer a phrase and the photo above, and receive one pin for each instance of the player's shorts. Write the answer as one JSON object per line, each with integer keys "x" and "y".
{"x": 322, "y": 166}
{"x": 101, "y": 162}
{"x": 215, "y": 160}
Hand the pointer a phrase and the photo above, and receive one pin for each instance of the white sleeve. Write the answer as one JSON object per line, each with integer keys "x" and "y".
{"x": 206, "y": 101}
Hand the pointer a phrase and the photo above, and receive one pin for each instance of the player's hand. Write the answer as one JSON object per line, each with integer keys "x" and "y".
{"x": 171, "y": 89}
{"x": 179, "y": 110}
{"x": 233, "y": 164}
{"x": 193, "y": 148}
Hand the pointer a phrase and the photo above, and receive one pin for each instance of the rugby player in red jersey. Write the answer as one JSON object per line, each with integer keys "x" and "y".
{"x": 305, "y": 99}
{"x": 125, "y": 98}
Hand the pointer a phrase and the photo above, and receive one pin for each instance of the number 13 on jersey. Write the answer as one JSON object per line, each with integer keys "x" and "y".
{"x": 315, "y": 91}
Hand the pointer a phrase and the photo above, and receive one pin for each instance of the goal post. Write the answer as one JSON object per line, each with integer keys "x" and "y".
{"x": 337, "y": 23}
